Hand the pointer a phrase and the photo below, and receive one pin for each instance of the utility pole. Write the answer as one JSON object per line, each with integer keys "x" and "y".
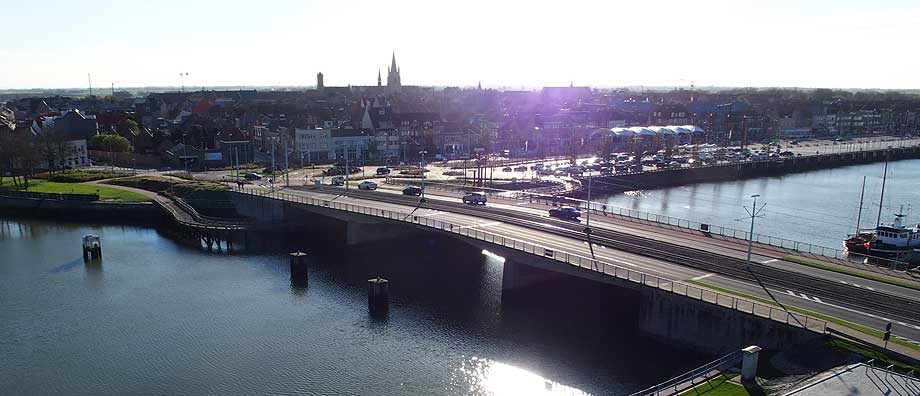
{"x": 422, "y": 170}
{"x": 236, "y": 153}
{"x": 347, "y": 169}
{"x": 588, "y": 217}
{"x": 754, "y": 214}
{"x": 286, "y": 172}
{"x": 273, "y": 165}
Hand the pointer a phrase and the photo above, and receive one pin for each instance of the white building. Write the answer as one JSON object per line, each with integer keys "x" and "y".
{"x": 314, "y": 145}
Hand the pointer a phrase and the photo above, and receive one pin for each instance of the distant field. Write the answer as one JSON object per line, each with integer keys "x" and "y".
{"x": 105, "y": 193}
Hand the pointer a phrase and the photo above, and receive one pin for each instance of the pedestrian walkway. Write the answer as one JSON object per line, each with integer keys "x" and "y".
{"x": 859, "y": 379}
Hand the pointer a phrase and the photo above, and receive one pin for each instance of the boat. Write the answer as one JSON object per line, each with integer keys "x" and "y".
{"x": 858, "y": 243}
{"x": 896, "y": 242}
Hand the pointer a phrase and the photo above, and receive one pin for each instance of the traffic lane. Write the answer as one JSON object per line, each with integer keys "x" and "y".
{"x": 845, "y": 279}
{"x": 904, "y": 327}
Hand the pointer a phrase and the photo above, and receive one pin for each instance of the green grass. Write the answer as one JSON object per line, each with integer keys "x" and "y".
{"x": 829, "y": 319}
{"x": 718, "y": 386}
{"x": 870, "y": 354}
{"x": 184, "y": 189}
{"x": 842, "y": 270}
{"x": 105, "y": 193}
{"x": 79, "y": 176}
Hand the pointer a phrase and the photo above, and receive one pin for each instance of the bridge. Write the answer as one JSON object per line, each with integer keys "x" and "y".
{"x": 686, "y": 288}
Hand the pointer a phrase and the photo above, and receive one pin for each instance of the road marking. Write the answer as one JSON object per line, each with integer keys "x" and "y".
{"x": 431, "y": 214}
{"x": 817, "y": 300}
{"x": 701, "y": 277}
{"x": 860, "y": 312}
{"x": 479, "y": 225}
{"x": 769, "y": 261}
{"x": 804, "y": 296}
{"x": 867, "y": 287}
{"x": 791, "y": 293}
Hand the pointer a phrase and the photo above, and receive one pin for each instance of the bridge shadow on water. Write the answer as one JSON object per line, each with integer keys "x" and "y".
{"x": 567, "y": 329}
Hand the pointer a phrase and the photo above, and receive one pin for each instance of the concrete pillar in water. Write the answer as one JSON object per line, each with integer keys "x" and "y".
{"x": 92, "y": 247}
{"x": 298, "y": 268}
{"x": 378, "y": 296}
{"x": 749, "y": 363}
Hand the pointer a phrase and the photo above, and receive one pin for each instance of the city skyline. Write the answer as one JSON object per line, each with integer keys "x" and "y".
{"x": 821, "y": 44}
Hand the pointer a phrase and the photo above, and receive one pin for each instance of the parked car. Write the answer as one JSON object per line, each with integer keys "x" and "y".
{"x": 565, "y": 212}
{"x": 412, "y": 190}
{"x": 252, "y": 176}
{"x": 367, "y": 185}
{"x": 337, "y": 180}
{"x": 383, "y": 171}
{"x": 521, "y": 168}
{"x": 506, "y": 169}
{"x": 474, "y": 198}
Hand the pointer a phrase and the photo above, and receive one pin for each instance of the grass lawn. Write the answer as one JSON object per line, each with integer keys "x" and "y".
{"x": 829, "y": 319}
{"x": 105, "y": 193}
{"x": 718, "y": 386}
{"x": 838, "y": 269}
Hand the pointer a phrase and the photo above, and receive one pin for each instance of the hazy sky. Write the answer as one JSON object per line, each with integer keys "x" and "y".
{"x": 805, "y": 43}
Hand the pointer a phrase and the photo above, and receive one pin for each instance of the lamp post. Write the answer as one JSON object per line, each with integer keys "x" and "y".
{"x": 422, "y": 170}
{"x": 753, "y": 214}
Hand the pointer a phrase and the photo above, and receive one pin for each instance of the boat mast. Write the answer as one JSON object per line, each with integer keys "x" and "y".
{"x": 881, "y": 200}
{"x": 861, "y": 195}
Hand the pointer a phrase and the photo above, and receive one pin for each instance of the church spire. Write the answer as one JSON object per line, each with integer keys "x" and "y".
{"x": 379, "y": 83}
{"x": 393, "y": 63}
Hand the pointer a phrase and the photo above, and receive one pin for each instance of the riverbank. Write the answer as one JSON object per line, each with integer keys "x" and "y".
{"x": 739, "y": 171}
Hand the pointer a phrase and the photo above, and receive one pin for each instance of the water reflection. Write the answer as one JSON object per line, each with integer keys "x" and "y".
{"x": 494, "y": 378}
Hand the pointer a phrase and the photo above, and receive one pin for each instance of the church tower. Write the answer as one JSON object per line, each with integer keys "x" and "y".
{"x": 394, "y": 82}
{"x": 319, "y": 81}
{"x": 379, "y": 82}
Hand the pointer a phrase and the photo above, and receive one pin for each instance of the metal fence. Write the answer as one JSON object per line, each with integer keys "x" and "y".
{"x": 724, "y": 300}
{"x": 688, "y": 380}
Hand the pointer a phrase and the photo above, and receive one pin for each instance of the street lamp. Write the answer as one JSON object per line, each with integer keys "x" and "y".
{"x": 753, "y": 212}
{"x": 422, "y": 170}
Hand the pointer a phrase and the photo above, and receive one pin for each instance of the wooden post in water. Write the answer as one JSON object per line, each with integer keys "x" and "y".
{"x": 299, "y": 275}
{"x": 378, "y": 296}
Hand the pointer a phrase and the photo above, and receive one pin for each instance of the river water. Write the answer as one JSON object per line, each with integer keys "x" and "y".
{"x": 818, "y": 207}
{"x": 155, "y": 317}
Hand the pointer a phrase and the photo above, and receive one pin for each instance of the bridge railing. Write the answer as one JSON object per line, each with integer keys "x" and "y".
{"x": 688, "y": 379}
{"x": 727, "y": 301}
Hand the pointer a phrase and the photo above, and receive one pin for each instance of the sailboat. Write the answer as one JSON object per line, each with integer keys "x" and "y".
{"x": 859, "y": 242}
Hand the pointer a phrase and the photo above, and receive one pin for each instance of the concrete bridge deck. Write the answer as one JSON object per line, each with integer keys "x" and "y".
{"x": 664, "y": 273}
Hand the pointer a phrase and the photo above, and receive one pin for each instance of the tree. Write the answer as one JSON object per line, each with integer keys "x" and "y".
{"x": 605, "y": 148}
{"x": 112, "y": 143}
{"x": 571, "y": 150}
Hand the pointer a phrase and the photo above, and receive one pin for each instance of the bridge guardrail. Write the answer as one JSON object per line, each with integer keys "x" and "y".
{"x": 724, "y": 300}
{"x": 670, "y": 387}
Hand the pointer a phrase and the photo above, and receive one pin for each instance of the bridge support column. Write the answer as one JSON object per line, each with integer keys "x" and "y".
{"x": 378, "y": 296}
{"x": 749, "y": 364}
{"x": 517, "y": 277}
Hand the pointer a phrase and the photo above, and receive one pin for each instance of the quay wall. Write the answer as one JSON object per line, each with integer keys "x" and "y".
{"x": 79, "y": 209}
{"x": 743, "y": 170}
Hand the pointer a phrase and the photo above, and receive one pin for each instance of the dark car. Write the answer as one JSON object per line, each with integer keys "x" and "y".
{"x": 252, "y": 176}
{"x": 565, "y": 212}
{"x": 383, "y": 171}
{"x": 412, "y": 190}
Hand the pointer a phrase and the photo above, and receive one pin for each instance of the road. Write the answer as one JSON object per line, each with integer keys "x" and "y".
{"x": 871, "y": 304}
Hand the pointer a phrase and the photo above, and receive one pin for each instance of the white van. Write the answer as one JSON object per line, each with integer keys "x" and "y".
{"x": 337, "y": 180}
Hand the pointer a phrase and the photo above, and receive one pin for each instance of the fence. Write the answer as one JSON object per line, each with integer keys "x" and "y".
{"x": 706, "y": 371}
{"x": 648, "y": 280}
{"x": 54, "y": 196}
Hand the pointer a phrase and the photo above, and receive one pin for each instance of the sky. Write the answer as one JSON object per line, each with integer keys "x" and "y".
{"x": 512, "y": 44}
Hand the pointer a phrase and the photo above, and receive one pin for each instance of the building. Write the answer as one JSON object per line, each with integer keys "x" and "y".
{"x": 65, "y": 138}
{"x": 394, "y": 81}
{"x": 313, "y": 145}
{"x": 351, "y": 142}
{"x": 319, "y": 81}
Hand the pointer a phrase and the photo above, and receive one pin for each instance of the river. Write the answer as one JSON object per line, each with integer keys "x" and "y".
{"x": 155, "y": 317}
{"x": 818, "y": 207}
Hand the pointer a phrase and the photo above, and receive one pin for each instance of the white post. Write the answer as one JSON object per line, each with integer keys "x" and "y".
{"x": 588, "y": 218}
{"x": 347, "y": 168}
{"x": 749, "y": 363}
{"x": 286, "y": 179}
{"x": 273, "y": 164}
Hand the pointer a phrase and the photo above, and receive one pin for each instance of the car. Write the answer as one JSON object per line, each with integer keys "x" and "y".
{"x": 412, "y": 190}
{"x": 337, "y": 180}
{"x": 367, "y": 185}
{"x": 506, "y": 169}
{"x": 383, "y": 171}
{"x": 787, "y": 154}
{"x": 474, "y": 198}
{"x": 565, "y": 212}
{"x": 252, "y": 176}
{"x": 521, "y": 168}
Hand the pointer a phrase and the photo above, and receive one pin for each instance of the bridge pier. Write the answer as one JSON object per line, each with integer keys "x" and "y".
{"x": 518, "y": 277}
